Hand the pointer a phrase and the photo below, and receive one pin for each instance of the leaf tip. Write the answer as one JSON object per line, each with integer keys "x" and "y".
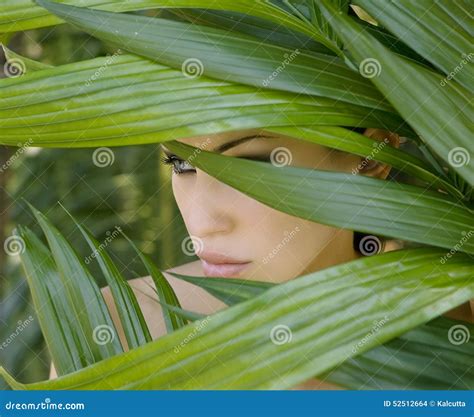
{"x": 11, "y": 382}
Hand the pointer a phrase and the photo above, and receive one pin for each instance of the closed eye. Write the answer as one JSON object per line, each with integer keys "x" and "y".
{"x": 180, "y": 166}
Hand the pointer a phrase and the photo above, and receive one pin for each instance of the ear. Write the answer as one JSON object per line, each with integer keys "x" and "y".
{"x": 368, "y": 165}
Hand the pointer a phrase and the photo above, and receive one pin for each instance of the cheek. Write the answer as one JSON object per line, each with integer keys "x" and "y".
{"x": 180, "y": 194}
{"x": 290, "y": 241}
{"x": 271, "y": 234}
{"x": 310, "y": 241}
{"x": 286, "y": 246}
{"x": 345, "y": 162}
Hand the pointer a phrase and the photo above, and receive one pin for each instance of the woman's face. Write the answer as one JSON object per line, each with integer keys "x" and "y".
{"x": 236, "y": 236}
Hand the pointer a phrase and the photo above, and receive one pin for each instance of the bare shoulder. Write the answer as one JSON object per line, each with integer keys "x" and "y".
{"x": 191, "y": 297}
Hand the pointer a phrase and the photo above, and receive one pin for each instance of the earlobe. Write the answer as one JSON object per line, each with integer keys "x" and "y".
{"x": 369, "y": 166}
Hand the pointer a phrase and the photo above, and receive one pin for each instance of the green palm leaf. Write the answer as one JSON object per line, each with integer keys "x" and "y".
{"x": 348, "y": 201}
{"x": 224, "y": 55}
{"x": 327, "y": 317}
{"x": 25, "y": 14}
{"x": 164, "y": 290}
{"x": 423, "y": 358}
{"x": 345, "y": 140}
{"x": 441, "y": 115}
{"x": 124, "y": 100}
{"x": 65, "y": 341}
{"x": 82, "y": 297}
{"x": 259, "y": 28}
{"x": 229, "y": 290}
{"x": 423, "y": 25}
{"x": 29, "y": 64}
{"x": 131, "y": 317}
{"x": 348, "y": 141}
{"x": 327, "y": 313}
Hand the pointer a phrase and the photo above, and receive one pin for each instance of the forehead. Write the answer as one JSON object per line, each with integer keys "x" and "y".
{"x": 302, "y": 149}
{"x": 213, "y": 141}
{"x": 304, "y": 153}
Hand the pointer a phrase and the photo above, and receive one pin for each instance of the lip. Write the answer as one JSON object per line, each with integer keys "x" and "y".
{"x": 218, "y": 265}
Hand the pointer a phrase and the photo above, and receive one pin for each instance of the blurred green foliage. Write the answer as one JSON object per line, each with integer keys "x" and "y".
{"x": 133, "y": 193}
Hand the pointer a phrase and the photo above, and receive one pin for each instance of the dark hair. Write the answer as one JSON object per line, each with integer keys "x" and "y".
{"x": 368, "y": 244}
{"x": 360, "y": 130}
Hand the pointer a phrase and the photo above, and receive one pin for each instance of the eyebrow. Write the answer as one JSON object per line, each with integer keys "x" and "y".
{"x": 226, "y": 146}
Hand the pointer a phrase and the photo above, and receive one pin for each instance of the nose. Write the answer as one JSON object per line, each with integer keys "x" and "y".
{"x": 208, "y": 206}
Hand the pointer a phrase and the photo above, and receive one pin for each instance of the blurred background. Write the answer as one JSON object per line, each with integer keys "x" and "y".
{"x": 133, "y": 193}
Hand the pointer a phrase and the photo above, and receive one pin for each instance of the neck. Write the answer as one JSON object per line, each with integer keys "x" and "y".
{"x": 338, "y": 251}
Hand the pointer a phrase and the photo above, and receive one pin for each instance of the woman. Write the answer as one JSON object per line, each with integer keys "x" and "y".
{"x": 236, "y": 236}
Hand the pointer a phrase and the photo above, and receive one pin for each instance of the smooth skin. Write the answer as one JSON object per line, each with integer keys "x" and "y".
{"x": 275, "y": 246}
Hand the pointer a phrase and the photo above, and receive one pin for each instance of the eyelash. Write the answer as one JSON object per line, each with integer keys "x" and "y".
{"x": 178, "y": 169}
{"x": 176, "y": 164}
